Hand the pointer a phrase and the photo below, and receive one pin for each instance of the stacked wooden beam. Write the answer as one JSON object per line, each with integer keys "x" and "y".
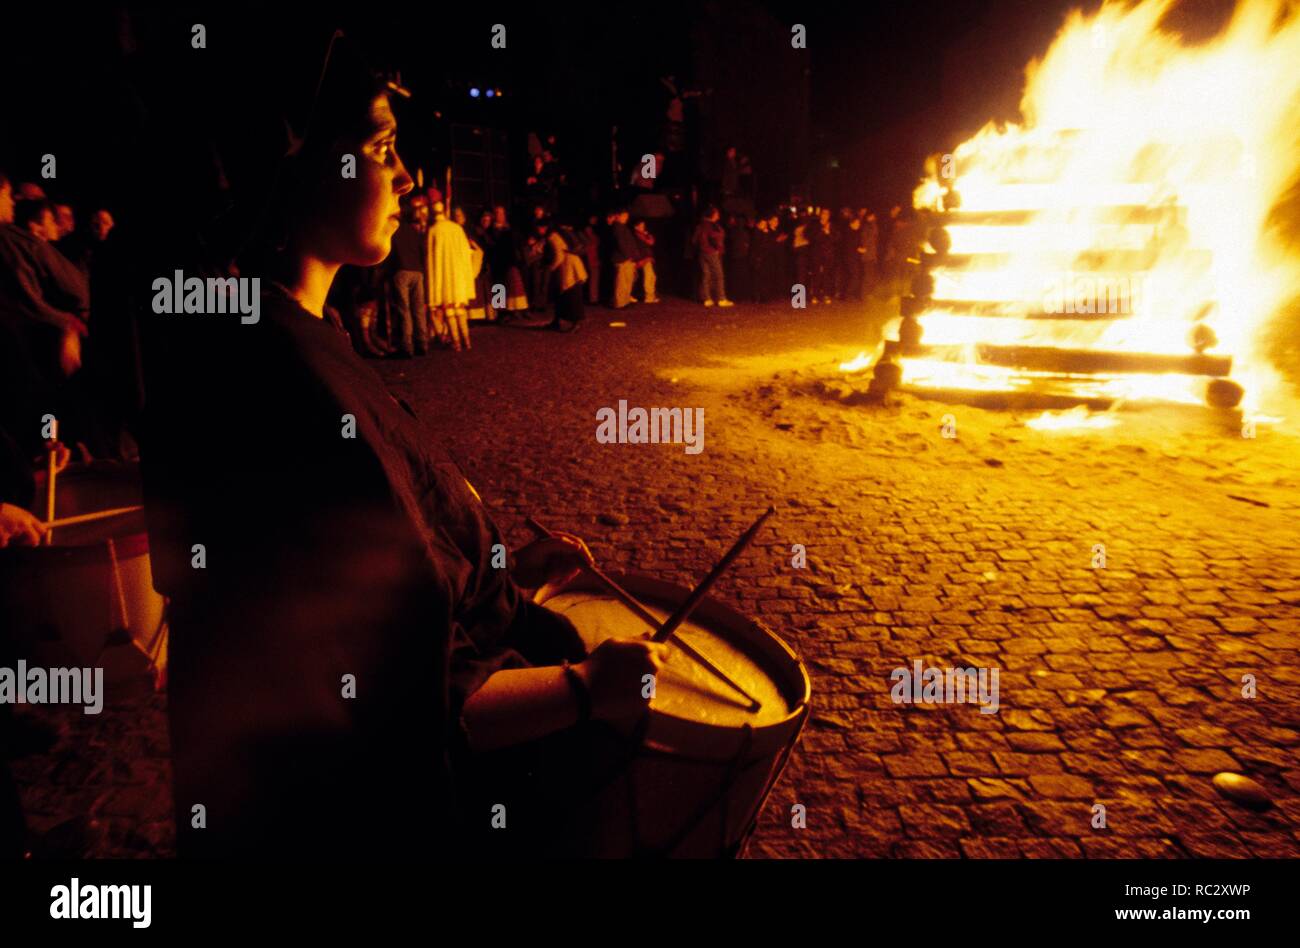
{"x": 981, "y": 266}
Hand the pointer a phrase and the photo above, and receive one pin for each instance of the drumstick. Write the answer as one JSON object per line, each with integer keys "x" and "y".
{"x": 51, "y": 473}
{"x": 88, "y": 517}
{"x": 621, "y": 594}
{"x": 699, "y": 592}
{"x": 646, "y": 616}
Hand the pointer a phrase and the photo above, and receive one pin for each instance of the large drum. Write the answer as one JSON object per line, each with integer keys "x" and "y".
{"x": 698, "y": 767}
{"x": 87, "y": 599}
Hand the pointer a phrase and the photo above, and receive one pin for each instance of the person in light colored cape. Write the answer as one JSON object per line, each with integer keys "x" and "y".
{"x": 449, "y": 278}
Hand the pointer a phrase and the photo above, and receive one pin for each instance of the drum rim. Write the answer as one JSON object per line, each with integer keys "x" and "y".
{"x": 129, "y": 546}
{"x": 799, "y": 706}
{"x": 129, "y": 530}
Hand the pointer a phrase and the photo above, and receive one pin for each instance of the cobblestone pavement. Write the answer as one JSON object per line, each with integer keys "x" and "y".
{"x": 1120, "y": 686}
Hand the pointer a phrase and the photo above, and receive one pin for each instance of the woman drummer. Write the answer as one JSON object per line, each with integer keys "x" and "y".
{"x": 349, "y": 636}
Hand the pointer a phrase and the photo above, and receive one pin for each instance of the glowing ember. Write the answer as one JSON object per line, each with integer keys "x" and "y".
{"x": 1117, "y": 243}
{"x": 1075, "y": 418}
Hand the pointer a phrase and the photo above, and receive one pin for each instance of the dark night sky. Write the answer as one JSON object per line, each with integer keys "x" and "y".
{"x": 895, "y": 82}
{"x": 874, "y": 69}
{"x": 874, "y": 62}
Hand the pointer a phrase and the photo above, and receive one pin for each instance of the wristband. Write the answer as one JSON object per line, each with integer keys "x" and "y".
{"x": 579, "y": 688}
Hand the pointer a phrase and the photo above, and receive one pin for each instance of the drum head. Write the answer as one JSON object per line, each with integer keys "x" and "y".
{"x": 686, "y": 690}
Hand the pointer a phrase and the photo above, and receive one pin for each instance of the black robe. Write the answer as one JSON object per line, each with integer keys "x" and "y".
{"x": 325, "y": 557}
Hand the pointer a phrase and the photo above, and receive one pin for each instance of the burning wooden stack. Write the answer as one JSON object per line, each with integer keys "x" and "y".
{"x": 1031, "y": 297}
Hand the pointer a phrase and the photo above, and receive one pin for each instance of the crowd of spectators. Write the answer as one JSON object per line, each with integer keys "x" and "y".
{"x": 543, "y": 260}
{"x": 60, "y": 340}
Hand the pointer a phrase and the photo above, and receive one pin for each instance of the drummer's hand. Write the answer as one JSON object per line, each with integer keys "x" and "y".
{"x": 615, "y": 676}
{"x": 70, "y": 352}
{"x": 553, "y": 560}
{"x": 19, "y": 527}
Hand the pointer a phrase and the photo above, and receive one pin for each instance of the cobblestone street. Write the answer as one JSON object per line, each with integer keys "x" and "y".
{"x": 1120, "y": 686}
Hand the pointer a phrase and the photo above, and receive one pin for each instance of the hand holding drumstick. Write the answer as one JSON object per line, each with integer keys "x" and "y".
{"x": 522, "y": 704}
{"x": 614, "y": 674}
{"x": 640, "y": 611}
{"x": 552, "y": 559}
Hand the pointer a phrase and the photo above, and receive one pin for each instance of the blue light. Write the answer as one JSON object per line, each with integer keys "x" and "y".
{"x": 490, "y": 93}
{"x": 473, "y": 92}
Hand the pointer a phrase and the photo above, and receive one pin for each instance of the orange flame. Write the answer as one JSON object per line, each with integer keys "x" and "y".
{"x": 1135, "y": 200}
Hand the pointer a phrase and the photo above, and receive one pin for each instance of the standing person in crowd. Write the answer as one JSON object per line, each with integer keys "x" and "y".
{"x": 535, "y": 184}
{"x": 625, "y": 253}
{"x": 44, "y": 308}
{"x": 909, "y": 239}
{"x": 783, "y": 269}
{"x": 449, "y": 278}
{"x": 823, "y": 256}
{"x": 710, "y": 240}
{"x": 730, "y": 184}
{"x": 868, "y": 252}
{"x": 407, "y": 290}
{"x": 746, "y": 175}
{"x": 480, "y": 304}
{"x": 674, "y": 134}
{"x": 65, "y": 221}
{"x": 36, "y": 216}
{"x": 374, "y": 309}
{"x": 801, "y": 253}
{"x": 432, "y": 196}
{"x": 503, "y": 260}
{"x": 738, "y": 262}
{"x": 484, "y": 238}
{"x": 608, "y": 270}
{"x": 82, "y": 247}
{"x": 645, "y": 262}
{"x": 848, "y": 272}
{"x": 591, "y": 249}
{"x": 45, "y": 318}
{"x": 355, "y": 296}
{"x": 101, "y": 225}
{"x": 554, "y": 176}
{"x": 763, "y": 258}
{"x": 483, "y": 234}
{"x": 564, "y": 253}
{"x": 534, "y": 254}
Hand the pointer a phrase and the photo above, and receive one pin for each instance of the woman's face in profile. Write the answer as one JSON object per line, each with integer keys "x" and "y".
{"x": 354, "y": 219}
